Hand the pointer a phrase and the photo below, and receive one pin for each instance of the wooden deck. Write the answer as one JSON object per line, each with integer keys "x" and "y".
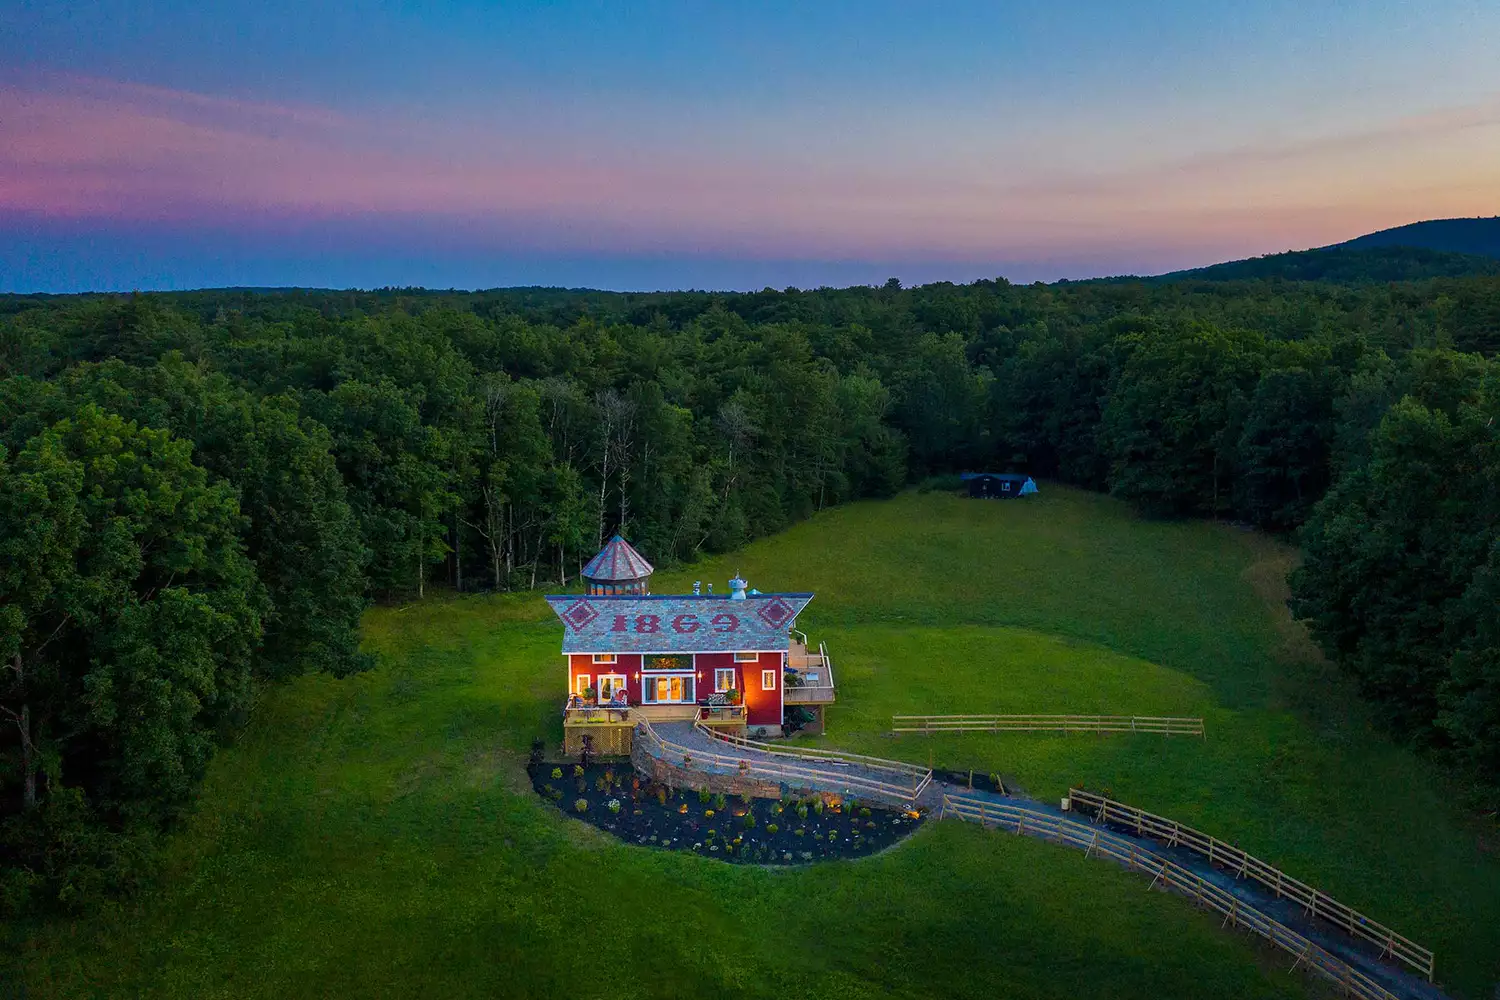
{"x": 810, "y": 675}
{"x": 611, "y": 730}
{"x": 728, "y": 716}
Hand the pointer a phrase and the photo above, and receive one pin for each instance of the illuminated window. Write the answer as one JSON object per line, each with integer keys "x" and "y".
{"x": 606, "y": 658}
{"x": 768, "y": 680}
{"x": 746, "y": 657}
{"x": 580, "y": 684}
{"x": 667, "y": 690}
{"x": 723, "y": 679}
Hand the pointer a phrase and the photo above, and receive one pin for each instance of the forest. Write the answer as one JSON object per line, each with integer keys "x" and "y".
{"x": 201, "y": 492}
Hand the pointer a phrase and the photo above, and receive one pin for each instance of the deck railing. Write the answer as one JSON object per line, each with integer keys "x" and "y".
{"x": 595, "y": 714}
{"x": 799, "y": 664}
{"x": 1096, "y": 841}
{"x": 1163, "y": 725}
{"x": 782, "y": 771}
{"x": 1314, "y": 901}
{"x": 723, "y": 713}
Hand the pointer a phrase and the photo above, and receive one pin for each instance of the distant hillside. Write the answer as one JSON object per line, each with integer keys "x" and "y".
{"x": 1347, "y": 265}
{"x": 1480, "y": 237}
{"x": 1437, "y": 248}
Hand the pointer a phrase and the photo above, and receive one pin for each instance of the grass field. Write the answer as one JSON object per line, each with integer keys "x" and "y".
{"x": 375, "y": 836}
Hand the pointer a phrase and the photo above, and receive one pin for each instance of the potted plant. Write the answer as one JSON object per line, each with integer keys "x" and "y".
{"x": 732, "y": 696}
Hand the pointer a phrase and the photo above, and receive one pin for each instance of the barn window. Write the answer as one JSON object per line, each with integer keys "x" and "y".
{"x": 768, "y": 680}
{"x": 606, "y": 657}
{"x": 723, "y": 680}
{"x": 580, "y": 684}
{"x": 746, "y": 657}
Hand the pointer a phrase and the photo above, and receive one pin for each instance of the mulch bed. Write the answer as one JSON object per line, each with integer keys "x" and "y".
{"x": 762, "y": 831}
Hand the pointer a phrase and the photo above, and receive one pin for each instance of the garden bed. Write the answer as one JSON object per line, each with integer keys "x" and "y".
{"x": 758, "y": 831}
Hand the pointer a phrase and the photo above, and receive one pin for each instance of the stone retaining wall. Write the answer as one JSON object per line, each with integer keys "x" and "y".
{"x": 678, "y": 776}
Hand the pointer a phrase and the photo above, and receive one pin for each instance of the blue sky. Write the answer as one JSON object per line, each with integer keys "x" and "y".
{"x": 173, "y": 145}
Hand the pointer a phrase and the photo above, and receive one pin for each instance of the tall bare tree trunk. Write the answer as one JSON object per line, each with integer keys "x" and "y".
{"x": 607, "y": 411}
{"x": 507, "y": 524}
{"x": 22, "y": 720}
{"x": 28, "y": 758}
{"x": 624, "y": 500}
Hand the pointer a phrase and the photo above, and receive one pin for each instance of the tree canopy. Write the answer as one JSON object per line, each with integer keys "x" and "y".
{"x": 200, "y": 492}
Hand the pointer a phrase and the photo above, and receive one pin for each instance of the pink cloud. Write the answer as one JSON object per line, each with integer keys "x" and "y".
{"x": 83, "y": 148}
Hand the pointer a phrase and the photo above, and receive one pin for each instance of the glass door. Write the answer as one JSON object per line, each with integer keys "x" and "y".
{"x": 668, "y": 689}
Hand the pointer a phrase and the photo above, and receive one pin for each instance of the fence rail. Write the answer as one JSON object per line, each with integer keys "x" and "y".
{"x": 1314, "y": 901}
{"x": 1164, "y": 725}
{"x": 797, "y": 774}
{"x": 816, "y": 753}
{"x": 1094, "y": 840}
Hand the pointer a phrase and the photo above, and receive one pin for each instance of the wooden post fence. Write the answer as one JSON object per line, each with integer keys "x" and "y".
{"x": 1160, "y": 725}
{"x": 1314, "y": 902}
{"x": 1099, "y": 843}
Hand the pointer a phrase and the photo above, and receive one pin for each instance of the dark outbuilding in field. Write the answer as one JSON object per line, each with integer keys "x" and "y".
{"x": 998, "y": 485}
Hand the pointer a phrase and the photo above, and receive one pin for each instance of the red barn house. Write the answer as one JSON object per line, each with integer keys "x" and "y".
{"x": 729, "y": 660}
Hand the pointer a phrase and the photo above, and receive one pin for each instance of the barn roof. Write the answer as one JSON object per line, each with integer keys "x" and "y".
{"x": 618, "y": 560}
{"x": 682, "y": 623}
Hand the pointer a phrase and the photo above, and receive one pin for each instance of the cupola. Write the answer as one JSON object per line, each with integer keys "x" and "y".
{"x": 617, "y": 569}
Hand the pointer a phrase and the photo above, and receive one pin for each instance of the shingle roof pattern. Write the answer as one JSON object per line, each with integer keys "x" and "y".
{"x": 618, "y": 560}
{"x": 685, "y": 623}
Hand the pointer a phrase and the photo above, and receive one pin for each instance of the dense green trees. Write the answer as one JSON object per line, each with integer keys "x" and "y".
{"x": 200, "y": 492}
{"x": 129, "y": 616}
{"x": 1398, "y": 577}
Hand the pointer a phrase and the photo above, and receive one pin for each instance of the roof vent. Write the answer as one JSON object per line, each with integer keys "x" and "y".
{"x": 737, "y": 588}
{"x": 697, "y": 588}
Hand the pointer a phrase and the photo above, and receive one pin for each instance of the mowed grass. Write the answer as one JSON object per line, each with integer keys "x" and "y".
{"x": 375, "y": 836}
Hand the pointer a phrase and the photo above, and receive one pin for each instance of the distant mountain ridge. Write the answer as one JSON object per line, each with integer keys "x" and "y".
{"x": 1436, "y": 248}
{"x": 1479, "y": 237}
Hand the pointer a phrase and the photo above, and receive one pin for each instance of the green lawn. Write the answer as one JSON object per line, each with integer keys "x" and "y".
{"x": 375, "y": 836}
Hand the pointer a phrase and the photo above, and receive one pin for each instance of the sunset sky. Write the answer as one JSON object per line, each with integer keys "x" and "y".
{"x": 725, "y": 145}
